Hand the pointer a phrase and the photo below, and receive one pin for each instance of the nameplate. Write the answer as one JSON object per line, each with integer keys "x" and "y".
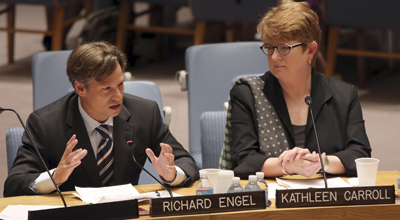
{"x": 223, "y": 202}
{"x": 102, "y": 211}
{"x": 292, "y": 198}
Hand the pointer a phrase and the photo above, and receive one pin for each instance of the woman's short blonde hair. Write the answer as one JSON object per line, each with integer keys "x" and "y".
{"x": 290, "y": 21}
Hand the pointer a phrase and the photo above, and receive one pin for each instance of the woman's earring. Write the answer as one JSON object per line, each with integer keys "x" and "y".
{"x": 309, "y": 61}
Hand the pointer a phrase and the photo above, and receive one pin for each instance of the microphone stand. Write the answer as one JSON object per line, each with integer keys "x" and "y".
{"x": 145, "y": 170}
{"x": 308, "y": 101}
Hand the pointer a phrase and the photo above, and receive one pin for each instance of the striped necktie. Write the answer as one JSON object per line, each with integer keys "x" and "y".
{"x": 105, "y": 156}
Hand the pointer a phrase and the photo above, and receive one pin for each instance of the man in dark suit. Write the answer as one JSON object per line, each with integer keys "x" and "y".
{"x": 110, "y": 127}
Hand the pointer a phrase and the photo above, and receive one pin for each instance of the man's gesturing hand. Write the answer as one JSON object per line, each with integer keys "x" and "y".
{"x": 69, "y": 161}
{"x": 164, "y": 163}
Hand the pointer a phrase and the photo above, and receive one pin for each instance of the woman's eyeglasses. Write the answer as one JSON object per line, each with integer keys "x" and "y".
{"x": 283, "y": 48}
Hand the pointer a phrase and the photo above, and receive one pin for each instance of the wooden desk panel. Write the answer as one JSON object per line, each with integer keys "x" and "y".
{"x": 391, "y": 211}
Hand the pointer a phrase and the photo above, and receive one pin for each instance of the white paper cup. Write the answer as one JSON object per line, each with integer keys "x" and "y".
{"x": 367, "y": 168}
{"x": 224, "y": 181}
{"x": 213, "y": 177}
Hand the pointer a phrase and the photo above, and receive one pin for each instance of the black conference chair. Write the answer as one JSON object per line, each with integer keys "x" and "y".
{"x": 359, "y": 14}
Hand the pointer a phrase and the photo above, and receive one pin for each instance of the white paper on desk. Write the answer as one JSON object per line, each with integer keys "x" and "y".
{"x": 353, "y": 181}
{"x": 116, "y": 193}
{"x": 20, "y": 212}
{"x": 272, "y": 187}
{"x": 142, "y": 196}
{"x": 311, "y": 183}
{"x": 165, "y": 194}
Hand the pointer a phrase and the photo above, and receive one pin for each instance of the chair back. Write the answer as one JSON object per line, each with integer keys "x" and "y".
{"x": 50, "y": 81}
{"x": 49, "y": 77}
{"x": 231, "y": 10}
{"x": 212, "y": 127}
{"x": 211, "y": 68}
{"x": 13, "y": 142}
{"x": 145, "y": 89}
{"x": 363, "y": 13}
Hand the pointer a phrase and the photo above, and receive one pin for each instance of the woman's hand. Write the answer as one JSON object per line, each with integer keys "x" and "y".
{"x": 288, "y": 155}
{"x": 300, "y": 161}
{"x": 306, "y": 165}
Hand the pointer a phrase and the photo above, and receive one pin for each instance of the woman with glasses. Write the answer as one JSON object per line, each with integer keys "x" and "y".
{"x": 269, "y": 124}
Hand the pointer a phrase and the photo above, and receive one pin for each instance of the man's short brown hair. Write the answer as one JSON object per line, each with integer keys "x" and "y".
{"x": 290, "y": 21}
{"x": 96, "y": 60}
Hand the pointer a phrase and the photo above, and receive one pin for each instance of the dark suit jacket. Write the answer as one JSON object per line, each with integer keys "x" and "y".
{"x": 338, "y": 118}
{"x": 52, "y": 126}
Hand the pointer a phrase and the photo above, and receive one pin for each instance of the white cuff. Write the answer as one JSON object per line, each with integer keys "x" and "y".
{"x": 43, "y": 183}
{"x": 180, "y": 177}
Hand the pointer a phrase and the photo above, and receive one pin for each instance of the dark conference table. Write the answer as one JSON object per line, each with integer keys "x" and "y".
{"x": 384, "y": 211}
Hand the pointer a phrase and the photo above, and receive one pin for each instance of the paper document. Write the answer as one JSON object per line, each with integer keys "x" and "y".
{"x": 95, "y": 194}
{"x": 311, "y": 183}
{"x": 20, "y": 212}
{"x": 272, "y": 187}
{"x": 141, "y": 197}
{"x": 116, "y": 193}
{"x": 353, "y": 181}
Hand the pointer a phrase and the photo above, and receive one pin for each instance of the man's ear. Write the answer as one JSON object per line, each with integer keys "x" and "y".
{"x": 312, "y": 49}
{"x": 80, "y": 88}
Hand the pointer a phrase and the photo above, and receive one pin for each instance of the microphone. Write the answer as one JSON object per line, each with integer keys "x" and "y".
{"x": 130, "y": 142}
{"x": 126, "y": 209}
{"x": 309, "y": 101}
{"x": 37, "y": 151}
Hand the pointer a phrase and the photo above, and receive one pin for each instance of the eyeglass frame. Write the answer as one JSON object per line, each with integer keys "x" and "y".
{"x": 277, "y": 47}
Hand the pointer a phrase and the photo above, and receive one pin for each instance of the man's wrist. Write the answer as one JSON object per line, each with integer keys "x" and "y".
{"x": 166, "y": 181}
{"x": 55, "y": 179}
{"x": 180, "y": 177}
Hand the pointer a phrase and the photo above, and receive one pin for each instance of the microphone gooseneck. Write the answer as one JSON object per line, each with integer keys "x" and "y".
{"x": 37, "y": 151}
{"x": 141, "y": 167}
{"x": 309, "y": 101}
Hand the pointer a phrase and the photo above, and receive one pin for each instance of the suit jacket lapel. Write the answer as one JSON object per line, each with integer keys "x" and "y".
{"x": 321, "y": 92}
{"x": 75, "y": 121}
{"x": 122, "y": 132}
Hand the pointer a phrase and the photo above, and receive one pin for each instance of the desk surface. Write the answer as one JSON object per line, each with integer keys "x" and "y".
{"x": 386, "y": 211}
